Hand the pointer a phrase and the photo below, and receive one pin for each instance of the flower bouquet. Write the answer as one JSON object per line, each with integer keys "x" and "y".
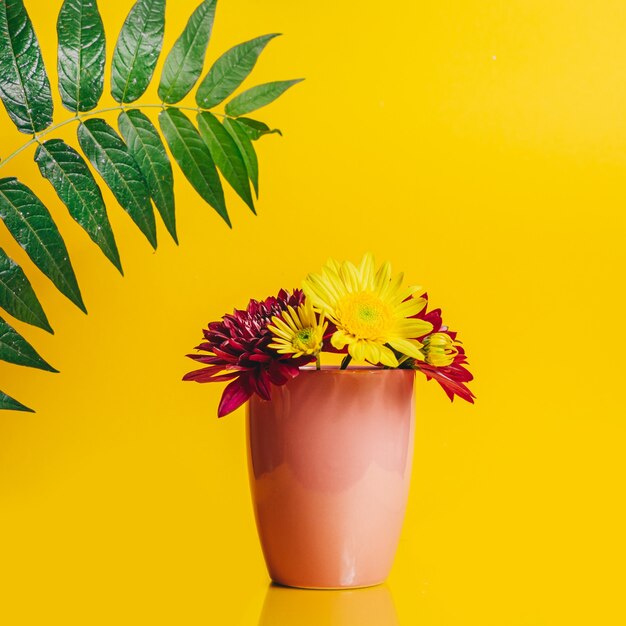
{"x": 357, "y": 311}
{"x": 330, "y": 446}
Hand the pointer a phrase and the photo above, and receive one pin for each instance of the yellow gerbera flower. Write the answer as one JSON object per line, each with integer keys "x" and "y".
{"x": 370, "y": 309}
{"x": 298, "y": 332}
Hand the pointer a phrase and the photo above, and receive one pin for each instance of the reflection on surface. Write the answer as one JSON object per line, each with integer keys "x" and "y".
{"x": 284, "y": 606}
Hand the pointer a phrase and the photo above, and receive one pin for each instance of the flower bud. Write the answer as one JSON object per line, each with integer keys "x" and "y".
{"x": 439, "y": 349}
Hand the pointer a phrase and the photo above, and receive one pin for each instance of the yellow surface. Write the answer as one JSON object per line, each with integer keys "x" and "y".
{"x": 481, "y": 147}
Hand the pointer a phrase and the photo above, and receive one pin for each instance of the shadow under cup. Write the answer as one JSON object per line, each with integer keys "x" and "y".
{"x": 372, "y": 606}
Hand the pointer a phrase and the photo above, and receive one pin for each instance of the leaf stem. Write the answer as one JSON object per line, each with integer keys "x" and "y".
{"x": 79, "y": 118}
{"x": 345, "y": 362}
{"x": 14, "y": 154}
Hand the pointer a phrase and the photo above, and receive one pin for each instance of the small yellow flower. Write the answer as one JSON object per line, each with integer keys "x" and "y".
{"x": 439, "y": 349}
{"x": 298, "y": 332}
{"x": 372, "y": 311}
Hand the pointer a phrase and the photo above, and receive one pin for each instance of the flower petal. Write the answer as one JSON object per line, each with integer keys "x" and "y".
{"x": 410, "y": 347}
{"x": 357, "y": 350}
{"x": 235, "y": 394}
{"x": 366, "y": 271}
{"x": 382, "y": 278}
{"x": 411, "y": 307}
{"x": 387, "y": 357}
{"x": 411, "y": 328}
{"x": 340, "y": 339}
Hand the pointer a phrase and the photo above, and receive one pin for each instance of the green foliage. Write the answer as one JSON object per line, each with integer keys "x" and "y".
{"x": 8, "y": 403}
{"x": 193, "y": 158}
{"x": 133, "y": 164}
{"x": 15, "y": 349}
{"x": 137, "y": 50}
{"x": 226, "y": 155}
{"x": 113, "y": 161}
{"x": 257, "y": 97}
{"x": 254, "y": 129}
{"x": 78, "y": 190}
{"x": 82, "y": 54}
{"x": 31, "y": 224}
{"x": 24, "y": 84}
{"x": 244, "y": 143}
{"x": 17, "y": 296}
{"x": 185, "y": 61}
{"x": 229, "y": 71}
{"x": 145, "y": 145}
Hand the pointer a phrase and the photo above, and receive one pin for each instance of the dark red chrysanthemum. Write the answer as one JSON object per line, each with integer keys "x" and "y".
{"x": 453, "y": 377}
{"x": 238, "y": 351}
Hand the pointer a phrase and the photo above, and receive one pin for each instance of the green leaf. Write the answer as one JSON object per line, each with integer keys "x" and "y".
{"x": 30, "y": 223}
{"x": 194, "y": 158}
{"x": 230, "y": 70}
{"x": 8, "y": 403}
{"x": 17, "y": 296}
{"x": 255, "y": 130}
{"x": 137, "y": 50}
{"x": 79, "y": 192}
{"x": 144, "y": 143}
{"x": 111, "y": 158}
{"x": 82, "y": 54}
{"x": 226, "y": 155}
{"x": 244, "y": 143}
{"x": 15, "y": 349}
{"x": 24, "y": 85}
{"x": 257, "y": 97}
{"x": 185, "y": 61}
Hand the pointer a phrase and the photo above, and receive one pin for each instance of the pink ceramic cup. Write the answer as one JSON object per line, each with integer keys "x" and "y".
{"x": 330, "y": 464}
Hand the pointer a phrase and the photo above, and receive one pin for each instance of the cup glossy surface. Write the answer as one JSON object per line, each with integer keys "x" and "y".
{"x": 330, "y": 464}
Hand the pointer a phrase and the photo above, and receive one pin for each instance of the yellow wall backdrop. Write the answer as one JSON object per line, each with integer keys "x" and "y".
{"x": 479, "y": 146}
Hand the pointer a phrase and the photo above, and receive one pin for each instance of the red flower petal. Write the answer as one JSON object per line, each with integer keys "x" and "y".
{"x": 237, "y": 349}
{"x": 264, "y": 388}
{"x": 204, "y": 375}
{"x": 235, "y": 394}
{"x": 451, "y": 379}
{"x": 260, "y": 358}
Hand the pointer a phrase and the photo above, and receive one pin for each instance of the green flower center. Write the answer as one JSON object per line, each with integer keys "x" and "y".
{"x": 304, "y": 339}
{"x": 368, "y": 314}
{"x": 304, "y": 335}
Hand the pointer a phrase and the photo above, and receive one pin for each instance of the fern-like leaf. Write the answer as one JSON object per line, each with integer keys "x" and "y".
{"x": 110, "y": 156}
{"x": 7, "y": 403}
{"x": 184, "y": 63}
{"x": 145, "y": 145}
{"x": 193, "y": 158}
{"x": 24, "y": 87}
{"x": 33, "y": 228}
{"x": 82, "y": 54}
{"x": 17, "y": 296}
{"x": 15, "y": 349}
{"x": 135, "y": 166}
{"x": 137, "y": 50}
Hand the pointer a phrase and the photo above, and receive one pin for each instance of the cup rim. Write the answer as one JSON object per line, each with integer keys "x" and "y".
{"x": 354, "y": 369}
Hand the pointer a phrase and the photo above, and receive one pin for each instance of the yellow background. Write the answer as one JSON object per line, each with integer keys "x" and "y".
{"x": 479, "y": 146}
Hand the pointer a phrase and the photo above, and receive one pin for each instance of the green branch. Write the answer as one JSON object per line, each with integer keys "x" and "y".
{"x": 132, "y": 161}
{"x": 79, "y": 118}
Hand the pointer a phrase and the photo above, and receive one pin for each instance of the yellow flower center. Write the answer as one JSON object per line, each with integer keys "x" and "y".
{"x": 364, "y": 315}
